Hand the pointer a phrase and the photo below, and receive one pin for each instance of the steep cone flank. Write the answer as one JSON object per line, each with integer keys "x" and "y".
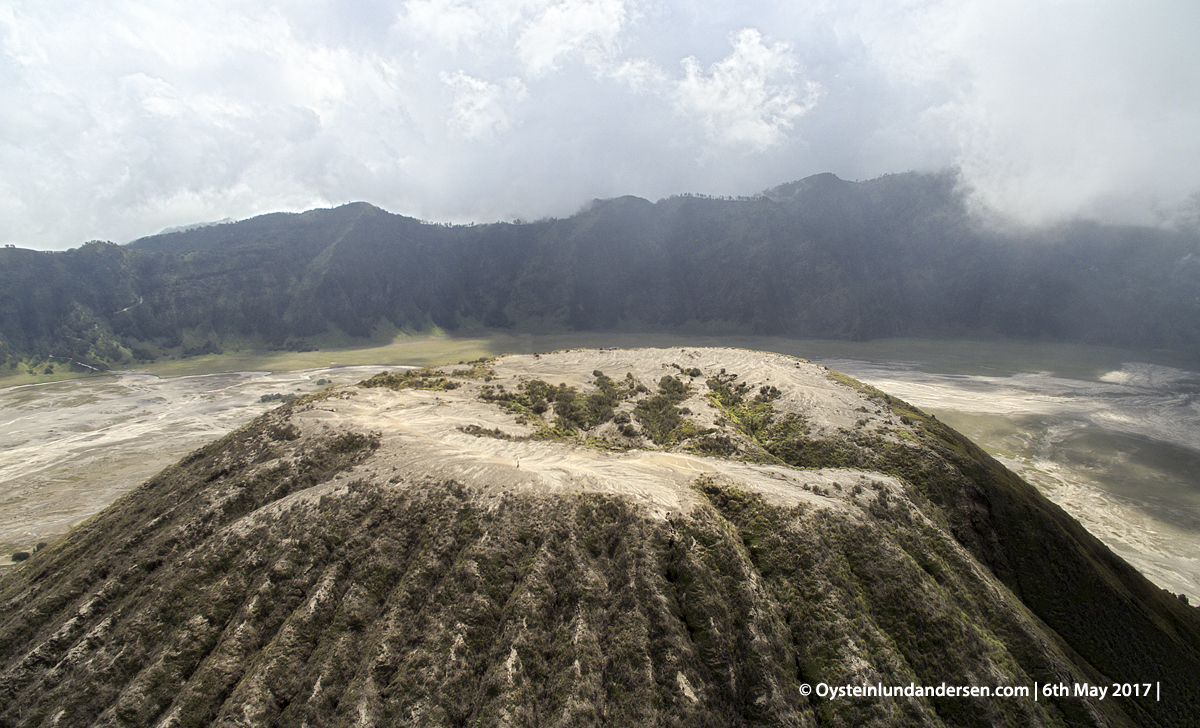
{"x": 653, "y": 537}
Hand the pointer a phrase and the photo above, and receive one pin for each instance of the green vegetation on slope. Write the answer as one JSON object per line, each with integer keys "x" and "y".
{"x": 393, "y": 602}
{"x": 283, "y": 576}
{"x": 896, "y": 256}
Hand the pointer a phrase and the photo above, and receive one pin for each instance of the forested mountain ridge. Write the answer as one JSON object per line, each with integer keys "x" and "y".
{"x": 821, "y": 257}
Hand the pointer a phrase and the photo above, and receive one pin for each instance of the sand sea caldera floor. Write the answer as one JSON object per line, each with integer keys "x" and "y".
{"x": 1116, "y": 451}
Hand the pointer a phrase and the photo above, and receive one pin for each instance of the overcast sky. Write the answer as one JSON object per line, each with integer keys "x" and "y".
{"x": 121, "y": 118}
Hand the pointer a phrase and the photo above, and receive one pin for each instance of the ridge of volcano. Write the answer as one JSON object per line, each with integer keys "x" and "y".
{"x": 614, "y": 537}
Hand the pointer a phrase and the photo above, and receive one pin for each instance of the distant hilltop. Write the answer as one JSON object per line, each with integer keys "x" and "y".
{"x": 819, "y": 258}
{"x": 195, "y": 226}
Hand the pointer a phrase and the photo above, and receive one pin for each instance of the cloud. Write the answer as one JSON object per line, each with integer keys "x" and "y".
{"x": 119, "y": 119}
{"x": 750, "y": 97}
{"x": 137, "y": 111}
{"x": 589, "y": 28}
{"x": 480, "y": 108}
{"x": 451, "y": 24}
{"x": 1059, "y": 109}
{"x": 639, "y": 75}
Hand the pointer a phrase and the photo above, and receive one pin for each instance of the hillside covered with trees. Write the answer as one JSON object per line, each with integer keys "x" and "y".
{"x": 821, "y": 257}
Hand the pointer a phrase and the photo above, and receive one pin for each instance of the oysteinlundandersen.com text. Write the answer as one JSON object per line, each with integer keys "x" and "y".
{"x": 1046, "y": 690}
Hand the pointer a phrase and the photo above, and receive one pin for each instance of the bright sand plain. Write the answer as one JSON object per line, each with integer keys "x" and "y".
{"x": 1101, "y": 432}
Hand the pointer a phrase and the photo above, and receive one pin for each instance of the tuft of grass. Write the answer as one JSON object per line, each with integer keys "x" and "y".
{"x": 478, "y": 369}
{"x": 426, "y": 378}
{"x": 662, "y": 421}
{"x": 574, "y": 413}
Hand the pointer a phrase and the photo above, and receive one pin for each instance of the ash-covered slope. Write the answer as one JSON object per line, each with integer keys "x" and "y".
{"x": 652, "y": 537}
